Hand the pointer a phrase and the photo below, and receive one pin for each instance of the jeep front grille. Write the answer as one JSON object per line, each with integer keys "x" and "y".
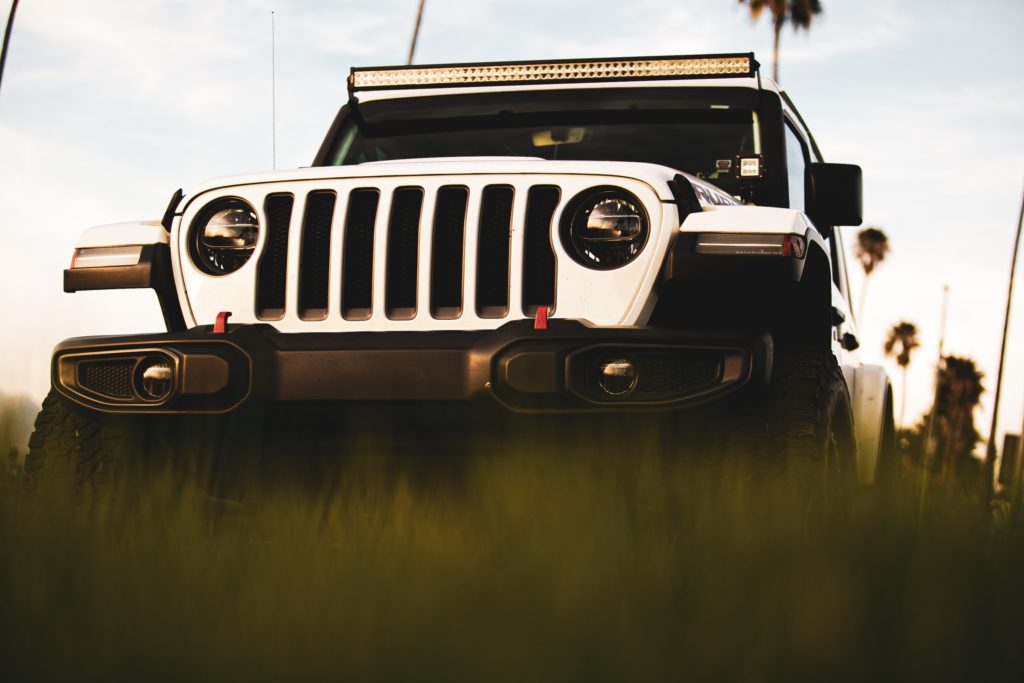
{"x": 403, "y": 298}
{"x": 418, "y": 251}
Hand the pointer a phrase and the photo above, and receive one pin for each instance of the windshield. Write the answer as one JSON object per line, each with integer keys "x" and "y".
{"x": 701, "y": 133}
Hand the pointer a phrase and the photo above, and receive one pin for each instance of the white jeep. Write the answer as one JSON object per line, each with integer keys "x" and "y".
{"x": 612, "y": 236}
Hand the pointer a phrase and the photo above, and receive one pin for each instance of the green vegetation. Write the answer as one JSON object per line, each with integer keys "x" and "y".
{"x": 586, "y": 561}
{"x": 16, "y": 416}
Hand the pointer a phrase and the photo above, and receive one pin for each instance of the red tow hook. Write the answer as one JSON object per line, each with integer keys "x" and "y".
{"x": 220, "y": 325}
{"x": 540, "y": 321}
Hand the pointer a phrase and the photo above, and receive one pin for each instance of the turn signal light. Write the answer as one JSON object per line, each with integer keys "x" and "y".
{"x": 750, "y": 244}
{"x": 106, "y": 257}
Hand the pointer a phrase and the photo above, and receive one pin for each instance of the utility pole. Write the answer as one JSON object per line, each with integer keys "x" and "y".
{"x": 415, "y": 32}
{"x": 7, "y": 38}
{"x": 990, "y": 452}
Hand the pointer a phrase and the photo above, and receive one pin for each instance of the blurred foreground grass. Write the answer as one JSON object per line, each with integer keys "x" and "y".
{"x": 513, "y": 563}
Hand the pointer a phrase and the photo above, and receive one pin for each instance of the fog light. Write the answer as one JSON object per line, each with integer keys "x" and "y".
{"x": 617, "y": 377}
{"x": 154, "y": 378}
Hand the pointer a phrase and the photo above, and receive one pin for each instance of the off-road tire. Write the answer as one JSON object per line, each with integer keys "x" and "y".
{"x": 808, "y": 427}
{"x": 77, "y": 452}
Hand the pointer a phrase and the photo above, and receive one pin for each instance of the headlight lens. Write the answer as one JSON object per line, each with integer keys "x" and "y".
{"x": 604, "y": 228}
{"x": 224, "y": 236}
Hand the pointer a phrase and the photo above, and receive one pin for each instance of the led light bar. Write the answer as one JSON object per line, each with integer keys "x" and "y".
{"x": 582, "y": 70}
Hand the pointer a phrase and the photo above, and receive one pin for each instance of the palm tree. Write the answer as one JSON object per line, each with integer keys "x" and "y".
{"x": 872, "y": 246}
{"x": 959, "y": 392}
{"x": 900, "y": 343}
{"x": 797, "y": 12}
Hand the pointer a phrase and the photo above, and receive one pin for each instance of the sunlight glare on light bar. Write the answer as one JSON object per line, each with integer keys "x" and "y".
{"x": 554, "y": 71}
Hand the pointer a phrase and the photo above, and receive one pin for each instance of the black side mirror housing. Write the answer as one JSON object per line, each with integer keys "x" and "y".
{"x": 833, "y": 195}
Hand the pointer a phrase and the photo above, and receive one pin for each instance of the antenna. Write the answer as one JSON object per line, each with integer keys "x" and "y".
{"x": 273, "y": 94}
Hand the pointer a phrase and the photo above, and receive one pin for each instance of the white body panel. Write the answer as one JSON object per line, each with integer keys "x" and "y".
{"x": 655, "y": 176}
{"x": 868, "y": 391}
{"x": 123, "y": 234}
{"x": 740, "y": 219}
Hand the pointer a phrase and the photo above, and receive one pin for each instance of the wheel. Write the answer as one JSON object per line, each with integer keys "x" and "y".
{"x": 808, "y": 427}
{"x": 87, "y": 455}
{"x": 77, "y": 451}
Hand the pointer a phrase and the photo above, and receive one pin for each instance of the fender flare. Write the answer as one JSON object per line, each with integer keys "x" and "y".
{"x": 153, "y": 269}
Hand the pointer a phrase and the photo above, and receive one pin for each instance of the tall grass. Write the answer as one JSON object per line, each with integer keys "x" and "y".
{"x": 515, "y": 562}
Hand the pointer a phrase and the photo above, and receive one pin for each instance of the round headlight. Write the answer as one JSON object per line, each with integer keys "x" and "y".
{"x": 224, "y": 236}
{"x": 604, "y": 227}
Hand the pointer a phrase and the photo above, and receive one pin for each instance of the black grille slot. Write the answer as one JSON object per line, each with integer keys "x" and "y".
{"x": 112, "y": 378}
{"x": 403, "y": 253}
{"x": 663, "y": 376}
{"x": 316, "y": 255}
{"x": 357, "y": 264}
{"x": 492, "y": 265}
{"x": 538, "y": 257}
{"x": 273, "y": 265}
{"x": 446, "y": 252}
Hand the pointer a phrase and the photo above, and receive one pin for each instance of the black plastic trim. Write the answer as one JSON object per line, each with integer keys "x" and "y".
{"x": 153, "y": 271}
{"x": 515, "y": 366}
{"x": 168, "y": 220}
{"x": 684, "y": 196}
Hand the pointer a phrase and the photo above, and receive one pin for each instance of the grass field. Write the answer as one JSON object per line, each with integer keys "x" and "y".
{"x": 516, "y": 563}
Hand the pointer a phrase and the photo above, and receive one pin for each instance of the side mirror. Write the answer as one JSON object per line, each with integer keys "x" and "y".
{"x": 833, "y": 195}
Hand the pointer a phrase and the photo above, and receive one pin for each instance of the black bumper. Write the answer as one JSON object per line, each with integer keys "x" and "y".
{"x": 516, "y": 366}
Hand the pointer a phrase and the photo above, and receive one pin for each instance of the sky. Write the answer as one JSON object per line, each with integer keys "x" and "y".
{"x": 109, "y": 106}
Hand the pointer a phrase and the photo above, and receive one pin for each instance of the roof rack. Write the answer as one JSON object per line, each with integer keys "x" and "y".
{"x": 735, "y": 65}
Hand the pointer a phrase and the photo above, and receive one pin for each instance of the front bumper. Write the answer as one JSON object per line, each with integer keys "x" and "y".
{"x": 516, "y": 366}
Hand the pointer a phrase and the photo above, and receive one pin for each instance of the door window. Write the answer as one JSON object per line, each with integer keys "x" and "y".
{"x": 796, "y": 163}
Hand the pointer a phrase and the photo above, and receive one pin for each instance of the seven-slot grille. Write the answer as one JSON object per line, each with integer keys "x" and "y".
{"x": 463, "y": 229}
